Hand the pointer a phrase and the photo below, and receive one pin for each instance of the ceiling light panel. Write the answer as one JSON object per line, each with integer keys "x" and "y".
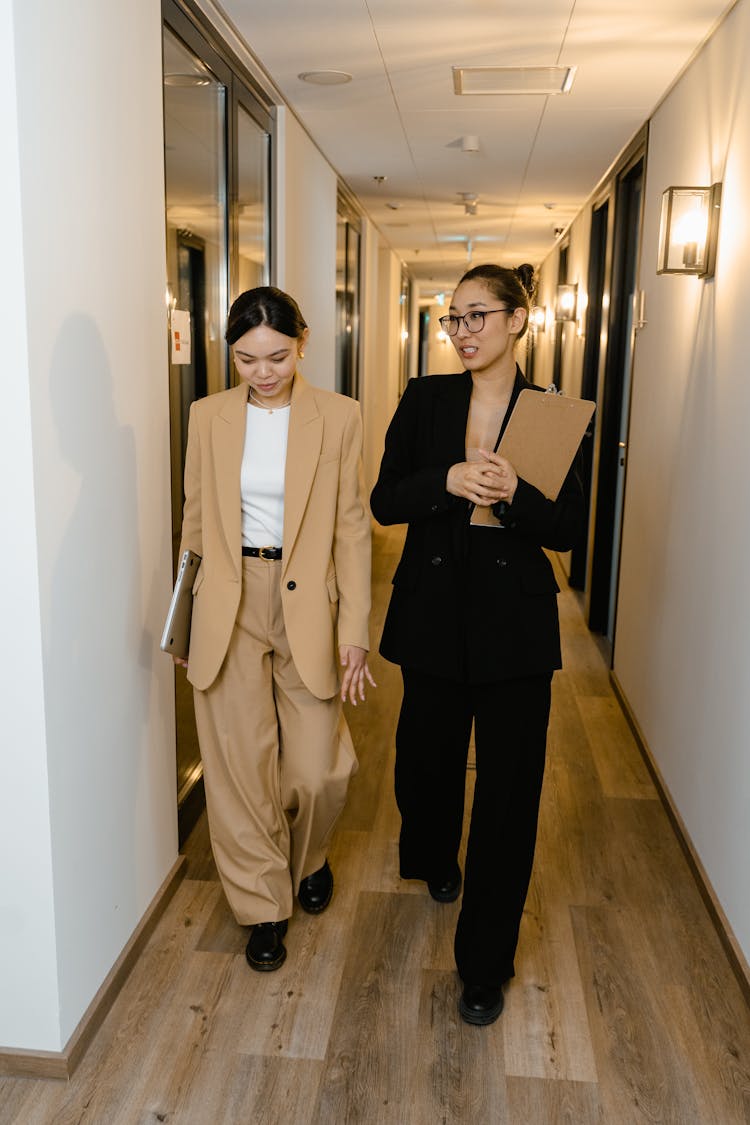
{"x": 512, "y": 79}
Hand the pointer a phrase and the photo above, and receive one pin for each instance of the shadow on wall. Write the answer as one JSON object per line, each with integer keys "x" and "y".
{"x": 98, "y": 657}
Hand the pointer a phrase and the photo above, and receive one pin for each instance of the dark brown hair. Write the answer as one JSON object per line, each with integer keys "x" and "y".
{"x": 264, "y": 305}
{"x": 514, "y": 287}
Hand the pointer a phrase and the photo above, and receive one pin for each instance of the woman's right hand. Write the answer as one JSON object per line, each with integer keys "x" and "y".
{"x": 180, "y": 662}
{"x": 477, "y": 481}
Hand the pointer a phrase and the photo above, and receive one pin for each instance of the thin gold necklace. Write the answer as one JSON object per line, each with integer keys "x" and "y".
{"x": 270, "y": 409}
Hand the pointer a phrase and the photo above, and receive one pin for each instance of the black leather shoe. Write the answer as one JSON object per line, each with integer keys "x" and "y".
{"x": 316, "y": 891}
{"x": 265, "y": 950}
{"x": 480, "y": 1004}
{"x": 446, "y": 889}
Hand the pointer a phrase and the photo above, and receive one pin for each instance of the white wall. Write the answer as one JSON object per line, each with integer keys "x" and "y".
{"x": 573, "y": 341}
{"x": 381, "y": 324}
{"x": 90, "y": 432}
{"x": 441, "y": 355}
{"x": 306, "y": 242}
{"x": 29, "y": 1010}
{"x": 682, "y": 650}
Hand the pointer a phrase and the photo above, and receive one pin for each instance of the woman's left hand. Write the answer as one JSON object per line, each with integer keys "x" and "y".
{"x": 354, "y": 663}
{"x": 504, "y": 474}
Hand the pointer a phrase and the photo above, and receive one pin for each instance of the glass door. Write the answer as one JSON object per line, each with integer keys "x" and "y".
{"x": 348, "y": 257}
{"x": 252, "y": 210}
{"x": 217, "y": 173}
{"x": 195, "y": 126}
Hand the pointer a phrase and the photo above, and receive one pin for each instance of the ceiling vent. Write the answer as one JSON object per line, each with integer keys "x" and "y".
{"x": 513, "y": 79}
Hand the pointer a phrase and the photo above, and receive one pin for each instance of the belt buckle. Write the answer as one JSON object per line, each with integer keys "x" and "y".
{"x": 264, "y": 553}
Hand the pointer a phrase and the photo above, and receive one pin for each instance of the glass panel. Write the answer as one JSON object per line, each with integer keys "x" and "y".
{"x": 196, "y": 203}
{"x": 404, "y": 319}
{"x": 252, "y": 202}
{"x": 354, "y": 241}
{"x": 348, "y": 241}
{"x": 195, "y": 167}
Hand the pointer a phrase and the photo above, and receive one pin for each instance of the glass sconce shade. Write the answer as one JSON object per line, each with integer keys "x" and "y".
{"x": 689, "y": 230}
{"x": 538, "y": 318}
{"x": 566, "y": 302}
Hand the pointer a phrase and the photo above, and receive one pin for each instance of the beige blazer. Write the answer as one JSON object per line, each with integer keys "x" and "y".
{"x": 325, "y": 569}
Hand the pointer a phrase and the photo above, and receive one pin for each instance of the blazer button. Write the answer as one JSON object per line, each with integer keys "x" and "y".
{"x": 502, "y": 562}
{"x": 291, "y": 585}
{"x": 437, "y": 560}
{"x": 434, "y": 508}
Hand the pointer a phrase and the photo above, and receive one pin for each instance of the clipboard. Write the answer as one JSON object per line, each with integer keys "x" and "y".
{"x": 541, "y": 441}
{"x": 176, "y": 636}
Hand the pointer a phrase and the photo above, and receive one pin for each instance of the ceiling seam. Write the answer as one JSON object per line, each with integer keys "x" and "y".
{"x": 425, "y": 200}
{"x": 539, "y": 124}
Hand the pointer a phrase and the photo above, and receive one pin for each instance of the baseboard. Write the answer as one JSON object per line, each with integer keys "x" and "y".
{"x": 61, "y": 1064}
{"x": 731, "y": 946}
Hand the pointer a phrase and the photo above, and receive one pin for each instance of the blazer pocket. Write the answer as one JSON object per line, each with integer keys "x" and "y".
{"x": 328, "y": 458}
{"x": 333, "y": 590}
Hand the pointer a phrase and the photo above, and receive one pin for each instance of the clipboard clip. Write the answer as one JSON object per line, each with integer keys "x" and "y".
{"x": 552, "y": 390}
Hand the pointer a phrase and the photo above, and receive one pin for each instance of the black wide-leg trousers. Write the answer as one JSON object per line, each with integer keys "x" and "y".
{"x": 432, "y": 741}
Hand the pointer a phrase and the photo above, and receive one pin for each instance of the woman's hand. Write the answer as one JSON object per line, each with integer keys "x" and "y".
{"x": 503, "y": 473}
{"x": 483, "y": 482}
{"x": 180, "y": 662}
{"x": 354, "y": 663}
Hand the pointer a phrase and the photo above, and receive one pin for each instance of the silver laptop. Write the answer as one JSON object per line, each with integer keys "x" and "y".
{"x": 176, "y": 636}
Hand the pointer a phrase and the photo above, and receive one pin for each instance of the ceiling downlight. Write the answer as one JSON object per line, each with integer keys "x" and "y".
{"x": 325, "y": 77}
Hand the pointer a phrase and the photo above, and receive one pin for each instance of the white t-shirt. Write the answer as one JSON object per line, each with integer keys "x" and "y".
{"x": 262, "y": 476}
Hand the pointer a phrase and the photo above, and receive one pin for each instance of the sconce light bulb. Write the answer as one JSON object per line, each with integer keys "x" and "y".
{"x": 692, "y": 227}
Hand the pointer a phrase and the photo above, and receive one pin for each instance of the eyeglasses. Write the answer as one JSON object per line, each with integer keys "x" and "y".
{"x": 473, "y": 321}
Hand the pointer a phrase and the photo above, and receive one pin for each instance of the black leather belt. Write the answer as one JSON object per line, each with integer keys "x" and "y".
{"x": 272, "y": 553}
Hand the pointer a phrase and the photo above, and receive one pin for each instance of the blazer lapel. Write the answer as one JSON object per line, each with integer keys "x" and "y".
{"x": 451, "y": 415}
{"x": 303, "y": 450}
{"x": 228, "y": 443}
{"x": 519, "y": 385}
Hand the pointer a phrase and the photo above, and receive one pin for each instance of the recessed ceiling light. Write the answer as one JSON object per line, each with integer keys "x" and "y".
{"x": 325, "y": 77}
{"x": 513, "y": 79}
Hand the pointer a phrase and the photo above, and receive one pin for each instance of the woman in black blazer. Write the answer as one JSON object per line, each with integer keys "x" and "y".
{"x": 473, "y": 624}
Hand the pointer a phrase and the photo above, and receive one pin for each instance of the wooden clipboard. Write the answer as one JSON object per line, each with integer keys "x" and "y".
{"x": 541, "y": 440}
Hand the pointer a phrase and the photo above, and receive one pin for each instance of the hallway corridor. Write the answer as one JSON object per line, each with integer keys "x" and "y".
{"x": 624, "y": 1009}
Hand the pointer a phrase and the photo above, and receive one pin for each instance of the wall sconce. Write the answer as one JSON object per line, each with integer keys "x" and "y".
{"x": 689, "y": 230}
{"x": 538, "y": 318}
{"x": 566, "y": 301}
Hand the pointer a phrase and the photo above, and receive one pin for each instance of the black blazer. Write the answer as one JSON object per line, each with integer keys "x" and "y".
{"x": 475, "y": 604}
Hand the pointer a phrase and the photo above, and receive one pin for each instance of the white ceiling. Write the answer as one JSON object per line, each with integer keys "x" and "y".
{"x": 539, "y": 158}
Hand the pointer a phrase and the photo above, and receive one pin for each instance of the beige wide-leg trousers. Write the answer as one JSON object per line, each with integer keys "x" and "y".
{"x": 276, "y": 760}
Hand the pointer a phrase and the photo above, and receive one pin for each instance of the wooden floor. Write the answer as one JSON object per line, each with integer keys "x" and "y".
{"x": 623, "y": 1010}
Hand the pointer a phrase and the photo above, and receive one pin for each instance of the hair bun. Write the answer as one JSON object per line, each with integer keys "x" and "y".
{"x": 525, "y": 275}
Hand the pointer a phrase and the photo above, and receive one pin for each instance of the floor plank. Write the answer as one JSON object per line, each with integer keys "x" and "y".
{"x": 619, "y": 763}
{"x": 370, "y": 1060}
{"x": 459, "y": 1071}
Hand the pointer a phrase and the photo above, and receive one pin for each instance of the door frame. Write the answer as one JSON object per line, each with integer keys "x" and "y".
{"x": 613, "y": 405}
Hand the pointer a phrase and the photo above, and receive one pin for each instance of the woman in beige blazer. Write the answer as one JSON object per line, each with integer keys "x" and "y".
{"x": 274, "y": 507}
